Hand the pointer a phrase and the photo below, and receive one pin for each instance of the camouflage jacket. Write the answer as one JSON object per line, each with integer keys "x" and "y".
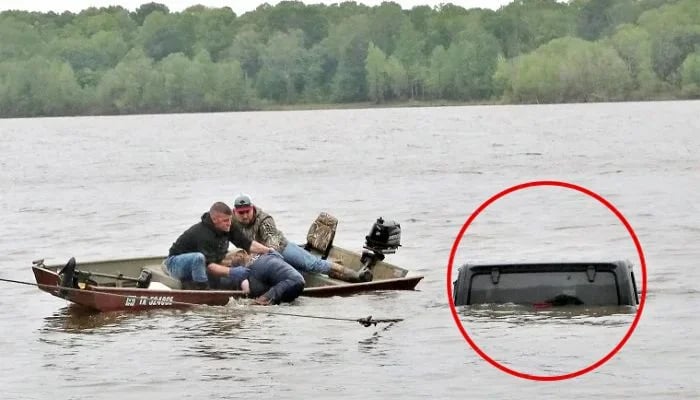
{"x": 263, "y": 230}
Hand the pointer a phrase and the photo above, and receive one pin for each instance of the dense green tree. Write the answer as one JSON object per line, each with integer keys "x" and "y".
{"x": 102, "y": 50}
{"x": 690, "y": 75}
{"x": 437, "y": 78}
{"x": 245, "y": 49}
{"x": 410, "y": 55}
{"x": 633, "y": 45}
{"x": 339, "y": 12}
{"x": 110, "y": 60}
{"x": 175, "y": 70}
{"x": 213, "y": 29}
{"x": 125, "y": 89}
{"x": 377, "y": 79}
{"x": 18, "y": 40}
{"x": 466, "y": 69}
{"x": 474, "y": 59}
{"x": 46, "y": 25}
{"x": 566, "y": 70}
{"x": 419, "y": 16}
{"x": 139, "y": 16}
{"x": 38, "y": 86}
{"x": 512, "y": 31}
{"x": 230, "y": 90}
{"x": 284, "y": 60}
{"x": 524, "y": 25}
{"x": 349, "y": 83}
{"x": 294, "y": 15}
{"x": 595, "y": 19}
{"x": 349, "y": 43}
{"x": 385, "y": 26}
{"x": 162, "y": 35}
{"x": 624, "y": 12}
{"x": 675, "y": 32}
{"x": 112, "y": 19}
{"x": 445, "y": 24}
{"x": 399, "y": 82}
{"x": 322, "y": 65}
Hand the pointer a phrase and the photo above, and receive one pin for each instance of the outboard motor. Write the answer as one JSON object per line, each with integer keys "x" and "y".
{"x": 384, "y": 238}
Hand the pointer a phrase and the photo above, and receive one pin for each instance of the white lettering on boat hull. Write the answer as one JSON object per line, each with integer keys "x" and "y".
{"x": 132, "y": 301}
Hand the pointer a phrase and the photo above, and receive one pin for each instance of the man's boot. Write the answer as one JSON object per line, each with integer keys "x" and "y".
{"x": 349, "y": 275}
{"x": 365, "y": 274}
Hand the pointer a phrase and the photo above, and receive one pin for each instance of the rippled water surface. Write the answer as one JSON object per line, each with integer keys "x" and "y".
{"x": 113, "y": 187}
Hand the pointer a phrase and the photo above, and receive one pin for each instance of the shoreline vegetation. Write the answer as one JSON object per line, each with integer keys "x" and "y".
{"x": 294, "y": 56}
{"x": 361, "y": 106}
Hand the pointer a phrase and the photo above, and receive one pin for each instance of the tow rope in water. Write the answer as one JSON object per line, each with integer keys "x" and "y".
{"x": 366, "y": 321}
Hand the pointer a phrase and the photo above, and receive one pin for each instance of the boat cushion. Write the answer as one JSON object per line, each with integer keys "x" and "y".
{"x": 321, "y": 234}
{"x": 160, "y": 274}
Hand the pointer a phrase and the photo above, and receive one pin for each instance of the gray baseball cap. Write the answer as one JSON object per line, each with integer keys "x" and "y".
{"x": 242, "y": 203}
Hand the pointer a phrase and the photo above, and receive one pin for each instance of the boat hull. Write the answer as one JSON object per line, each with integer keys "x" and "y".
{"x": 115, "y": 298}
{"x": 355, "y": 288}
{"x": 103, "y": 298}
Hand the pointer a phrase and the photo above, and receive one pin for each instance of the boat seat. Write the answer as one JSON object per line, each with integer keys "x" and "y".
{"x": 321, "y": 234}
{"x": 160, "y": 274}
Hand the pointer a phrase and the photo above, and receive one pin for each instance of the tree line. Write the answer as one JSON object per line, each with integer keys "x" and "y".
{"x": 151, "y": 60}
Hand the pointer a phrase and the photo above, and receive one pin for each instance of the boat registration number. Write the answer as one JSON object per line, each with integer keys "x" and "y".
{"x": 132, "y": 301}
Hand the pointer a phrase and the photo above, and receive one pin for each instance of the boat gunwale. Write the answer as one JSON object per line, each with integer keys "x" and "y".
{"x": 325, "y": 288}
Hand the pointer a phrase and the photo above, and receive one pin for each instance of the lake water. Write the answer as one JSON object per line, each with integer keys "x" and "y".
{"x": 113, "y": 187}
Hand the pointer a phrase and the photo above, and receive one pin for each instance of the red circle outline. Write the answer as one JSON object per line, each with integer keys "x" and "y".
{"x": 624, "y": 339}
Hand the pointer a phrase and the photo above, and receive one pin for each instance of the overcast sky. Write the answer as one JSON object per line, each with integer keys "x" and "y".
{"x": 239, "y": 6}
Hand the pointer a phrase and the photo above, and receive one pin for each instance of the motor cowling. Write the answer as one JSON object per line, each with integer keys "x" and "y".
{"x": 384, "y": 237}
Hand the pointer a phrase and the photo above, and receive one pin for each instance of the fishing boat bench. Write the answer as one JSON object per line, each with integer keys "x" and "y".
{"x": 160, "y": 274}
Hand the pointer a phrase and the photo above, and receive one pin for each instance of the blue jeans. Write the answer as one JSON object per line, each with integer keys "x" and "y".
{"x": 304, "y": 261}
{"x": 274, "y": 278}
{"x": 187, "y": 267}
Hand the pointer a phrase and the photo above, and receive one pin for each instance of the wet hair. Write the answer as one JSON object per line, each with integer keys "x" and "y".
{"x": 220, "y": 208}
{"x": 235, "y": 258}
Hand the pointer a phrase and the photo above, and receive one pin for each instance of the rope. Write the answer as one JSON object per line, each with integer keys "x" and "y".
{"x": 366, "y": 321}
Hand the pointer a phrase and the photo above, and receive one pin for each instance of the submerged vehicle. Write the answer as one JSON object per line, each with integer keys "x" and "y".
{"x": 143, "y": 283}
{"x": 556, "y": 284}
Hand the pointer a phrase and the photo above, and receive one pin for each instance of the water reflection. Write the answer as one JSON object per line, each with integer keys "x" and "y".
{"x": 371, "y": 344}
{"x": 227, "y": 333}
{"x": 76, "y": 319}
{"x": 81, "y": 320}
{"x": 213, "y": 322}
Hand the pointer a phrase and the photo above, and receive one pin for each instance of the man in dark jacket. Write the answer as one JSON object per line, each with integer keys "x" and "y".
{"x": 198, "y": 252}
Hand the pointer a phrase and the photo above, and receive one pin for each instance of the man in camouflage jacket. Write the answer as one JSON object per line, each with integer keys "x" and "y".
{"x": 259, "y": 225}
